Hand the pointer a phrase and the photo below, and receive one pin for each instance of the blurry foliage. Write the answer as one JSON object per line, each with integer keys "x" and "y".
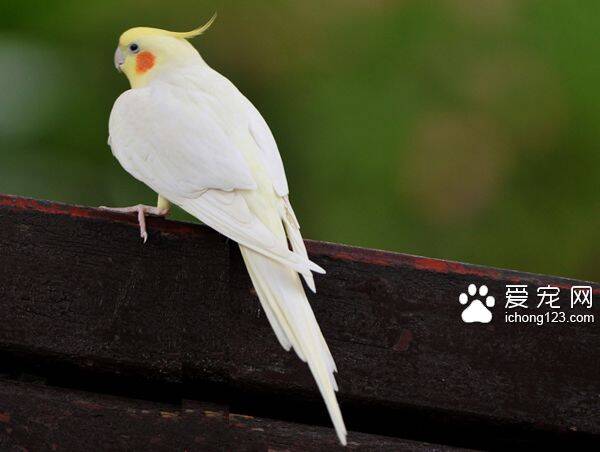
{"x": 460, "y": 129}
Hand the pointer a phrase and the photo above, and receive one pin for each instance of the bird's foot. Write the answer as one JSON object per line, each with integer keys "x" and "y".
{"x": 141, "y": 210}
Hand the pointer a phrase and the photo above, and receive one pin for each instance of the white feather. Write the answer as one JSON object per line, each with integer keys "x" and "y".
{"x": 193, "y": 138}
{"x": 175, "y": 142}
{"x": 281, "y": 294}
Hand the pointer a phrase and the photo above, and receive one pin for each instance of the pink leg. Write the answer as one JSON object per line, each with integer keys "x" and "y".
{"x": 141, "y": 211}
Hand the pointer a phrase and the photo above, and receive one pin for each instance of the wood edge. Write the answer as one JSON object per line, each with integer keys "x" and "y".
{"x": 334, "y": 251}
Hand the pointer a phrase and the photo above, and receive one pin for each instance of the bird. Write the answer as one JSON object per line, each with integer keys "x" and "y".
{"x": 189, "y": 134}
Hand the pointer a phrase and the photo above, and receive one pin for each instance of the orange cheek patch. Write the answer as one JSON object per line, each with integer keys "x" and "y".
{"x": 144, "y": 62}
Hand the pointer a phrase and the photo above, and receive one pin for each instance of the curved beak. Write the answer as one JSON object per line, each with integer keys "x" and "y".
{"x": 119, "y": 59}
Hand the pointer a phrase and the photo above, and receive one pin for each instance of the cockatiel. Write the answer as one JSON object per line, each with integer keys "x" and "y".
{"x": 185, "y": 130}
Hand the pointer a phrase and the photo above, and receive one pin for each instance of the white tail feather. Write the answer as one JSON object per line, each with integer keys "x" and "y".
{"x": 283, "y": 299}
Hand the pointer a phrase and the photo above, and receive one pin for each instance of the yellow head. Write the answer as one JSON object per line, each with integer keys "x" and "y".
{"x": 144, "y": 52}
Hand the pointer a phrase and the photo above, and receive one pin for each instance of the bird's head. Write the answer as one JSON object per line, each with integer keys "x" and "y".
{"x": 144, "y": 52}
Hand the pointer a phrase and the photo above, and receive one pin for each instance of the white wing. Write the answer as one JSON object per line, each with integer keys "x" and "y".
{"x": 178, "y": 143}
{"x": 175, "y": 144}
{"x": 228, "y": 213}
{"x": 266, "y": 142}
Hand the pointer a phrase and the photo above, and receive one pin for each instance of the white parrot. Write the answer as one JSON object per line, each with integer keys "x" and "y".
{"x": 186, "y": 131}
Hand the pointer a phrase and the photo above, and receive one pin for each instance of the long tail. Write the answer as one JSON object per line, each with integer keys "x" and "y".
{"x": 283, "y": 299}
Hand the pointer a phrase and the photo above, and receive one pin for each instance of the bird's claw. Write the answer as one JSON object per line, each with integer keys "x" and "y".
{"x": 142, "y": 211}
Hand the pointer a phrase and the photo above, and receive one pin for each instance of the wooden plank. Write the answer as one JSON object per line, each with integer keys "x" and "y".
{"x": 34, "y": 417}
{"x": 82, "y": 293}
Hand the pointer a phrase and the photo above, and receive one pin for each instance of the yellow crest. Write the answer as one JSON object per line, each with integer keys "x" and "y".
{"x": 195, "y": 32}
{"x": 135, "y": 33}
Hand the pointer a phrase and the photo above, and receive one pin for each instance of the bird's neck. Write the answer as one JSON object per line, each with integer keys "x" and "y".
{"x": 173, "y": 72}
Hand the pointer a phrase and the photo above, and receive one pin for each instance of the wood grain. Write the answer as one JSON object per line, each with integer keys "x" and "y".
{"x": 34, "y": 417}
{"x": 82, "y": 296}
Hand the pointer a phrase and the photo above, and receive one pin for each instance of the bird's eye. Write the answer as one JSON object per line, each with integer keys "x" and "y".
{"x": 134, "y": 47}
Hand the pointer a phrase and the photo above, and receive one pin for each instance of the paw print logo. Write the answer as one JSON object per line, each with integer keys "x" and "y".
{"x": 476, "y": 311}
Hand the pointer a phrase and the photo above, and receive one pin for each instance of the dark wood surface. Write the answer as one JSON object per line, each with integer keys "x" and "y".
{"x": 84, "y": 304}
{"x": 34, "y": 417}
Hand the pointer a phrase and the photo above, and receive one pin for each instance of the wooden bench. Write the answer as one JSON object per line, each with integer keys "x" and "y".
{"x": 109, "y": 343}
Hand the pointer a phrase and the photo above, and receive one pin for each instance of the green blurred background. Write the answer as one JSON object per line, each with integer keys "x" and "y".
{"x": 459, "y": 129}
